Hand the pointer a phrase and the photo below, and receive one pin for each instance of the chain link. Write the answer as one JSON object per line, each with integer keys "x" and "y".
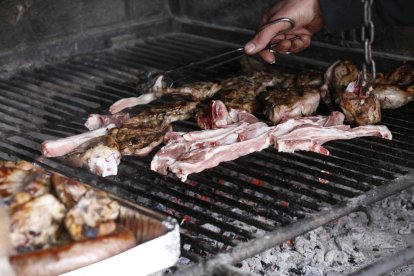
{"x": 367, "y": 37}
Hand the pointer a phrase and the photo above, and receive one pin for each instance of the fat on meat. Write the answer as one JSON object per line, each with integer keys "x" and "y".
{"x": 60, "y": 147}
{"x": 216, "y": 115}
{"x": 186, "y": 153}
{"x": 96, "y": 121}
{"x": 209, "y": 157}
{"x": 311, "y": 137}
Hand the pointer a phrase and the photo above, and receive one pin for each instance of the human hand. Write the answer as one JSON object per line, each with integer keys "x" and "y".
{"x": 308, "y": 20}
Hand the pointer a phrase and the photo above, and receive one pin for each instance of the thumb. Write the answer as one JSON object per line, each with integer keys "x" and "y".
{"x": 264, "y": 36}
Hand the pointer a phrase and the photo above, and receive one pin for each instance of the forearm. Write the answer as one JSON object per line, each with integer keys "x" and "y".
{"x": 341, "y": 15}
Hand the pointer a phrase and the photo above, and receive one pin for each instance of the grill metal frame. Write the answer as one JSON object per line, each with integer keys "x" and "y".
{"x": 55, "y": 100}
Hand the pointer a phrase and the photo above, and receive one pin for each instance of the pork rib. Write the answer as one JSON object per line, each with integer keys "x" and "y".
{"x": 96, "y": 121}
{"x": 60, "y": 147}
{"x": 209, "y": 157}
{"x": 311, "y": 138}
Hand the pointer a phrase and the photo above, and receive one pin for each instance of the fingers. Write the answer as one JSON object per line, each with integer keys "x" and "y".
{"x": 287, "y": 46}
{"x": 263, "y": 37}
{"x": 268, "y": 56}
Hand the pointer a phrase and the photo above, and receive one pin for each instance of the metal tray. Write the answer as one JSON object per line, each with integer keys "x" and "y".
{"x": 157, "y": 242}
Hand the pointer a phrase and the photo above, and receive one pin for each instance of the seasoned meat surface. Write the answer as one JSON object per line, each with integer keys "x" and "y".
{"x": 69, "y": 191}
{"x": 142, "y": 133}
{"x": 282, "y": 104}
{"x": 35, "y": 224}
{"x": 93, "y": 216}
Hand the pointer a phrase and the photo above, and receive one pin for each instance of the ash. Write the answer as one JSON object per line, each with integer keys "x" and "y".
{"x": 344, "y": 245}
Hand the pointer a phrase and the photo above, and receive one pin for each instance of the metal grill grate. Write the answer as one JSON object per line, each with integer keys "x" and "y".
{"x": 221, "y": 207}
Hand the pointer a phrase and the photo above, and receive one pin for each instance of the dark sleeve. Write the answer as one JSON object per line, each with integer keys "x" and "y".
{"x": 341, "y": 15}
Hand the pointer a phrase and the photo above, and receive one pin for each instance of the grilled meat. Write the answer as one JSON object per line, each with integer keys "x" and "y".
{"x": 393, "y": 96}
{"x": 138, "y": 141}
{"x": 163, "y": 114}
{"x": 35, "y": 224}
{"x": 60, "y": 147}
{"x": 337, "y": 77}
{"x": 360, "y": 109}
{"x": 197, "y": 91}
{"x": 69, "y": 191}
{"x": 402, "y": 75}
{"x": 215, "y": 115}
{"x": 96, "y": 121}
{"x": 34, "y": 184}
{"x": 93, "y": 216}
{"x": 291, "y": 103}
{"x": 100, "y": 155}
{"x": 11, "y": 181}
{"x": 309, "y": 79}
{"x": 142, "y": 133}
{"x": 240, "y": 92}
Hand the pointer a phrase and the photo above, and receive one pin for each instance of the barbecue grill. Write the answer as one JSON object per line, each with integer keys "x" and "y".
{"x": 62, "y": 61}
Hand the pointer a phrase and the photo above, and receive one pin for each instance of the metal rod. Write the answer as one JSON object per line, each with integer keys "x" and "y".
{"x": 387, "y": 264}
{"x": 271, "y": 239}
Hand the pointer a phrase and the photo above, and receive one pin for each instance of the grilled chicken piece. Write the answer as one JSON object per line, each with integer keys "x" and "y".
{"x": 100, "y": 155}
{"x": 69, "y": 191}
{"x": 291, "y": 103}
{"x": 240, "y": 92}
{"x": 23, "y": 165}
{"x": 93, "y": 216}
{"x": 402, "y": 75}
{"x": 60, "y": 147}
{"x": 35, "y": 224}
{"x": 337, "y": 77}
{"x": 393, "y": 96}
{"x": 359, "y": 109}
{"x": 309, "y": 78}
{"x": 34, "y": 184}
{"x": 11, "y": 181}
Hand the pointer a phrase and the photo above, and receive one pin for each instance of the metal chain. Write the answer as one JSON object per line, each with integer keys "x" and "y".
{"x": 367, "y": 36}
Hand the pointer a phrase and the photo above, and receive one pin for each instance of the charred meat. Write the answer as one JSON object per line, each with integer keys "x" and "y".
{"x": 393, "y": 96}
{"x": 35, "y": 224}
{"x": 142, "y": 133}
{"x": 337, "y": 77}
{"x": 197, "y": 91}
{"x": 93, "y": 216}
{"x": 282, "y": 104}
{"x": 100, "y": 156}
{"x": 360, "y": 109}
{"x": 68, "y": 191}
{"x": 215, "y": 115}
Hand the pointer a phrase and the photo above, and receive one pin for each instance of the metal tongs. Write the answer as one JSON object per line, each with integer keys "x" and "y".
{"x": 169, "y": 80}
